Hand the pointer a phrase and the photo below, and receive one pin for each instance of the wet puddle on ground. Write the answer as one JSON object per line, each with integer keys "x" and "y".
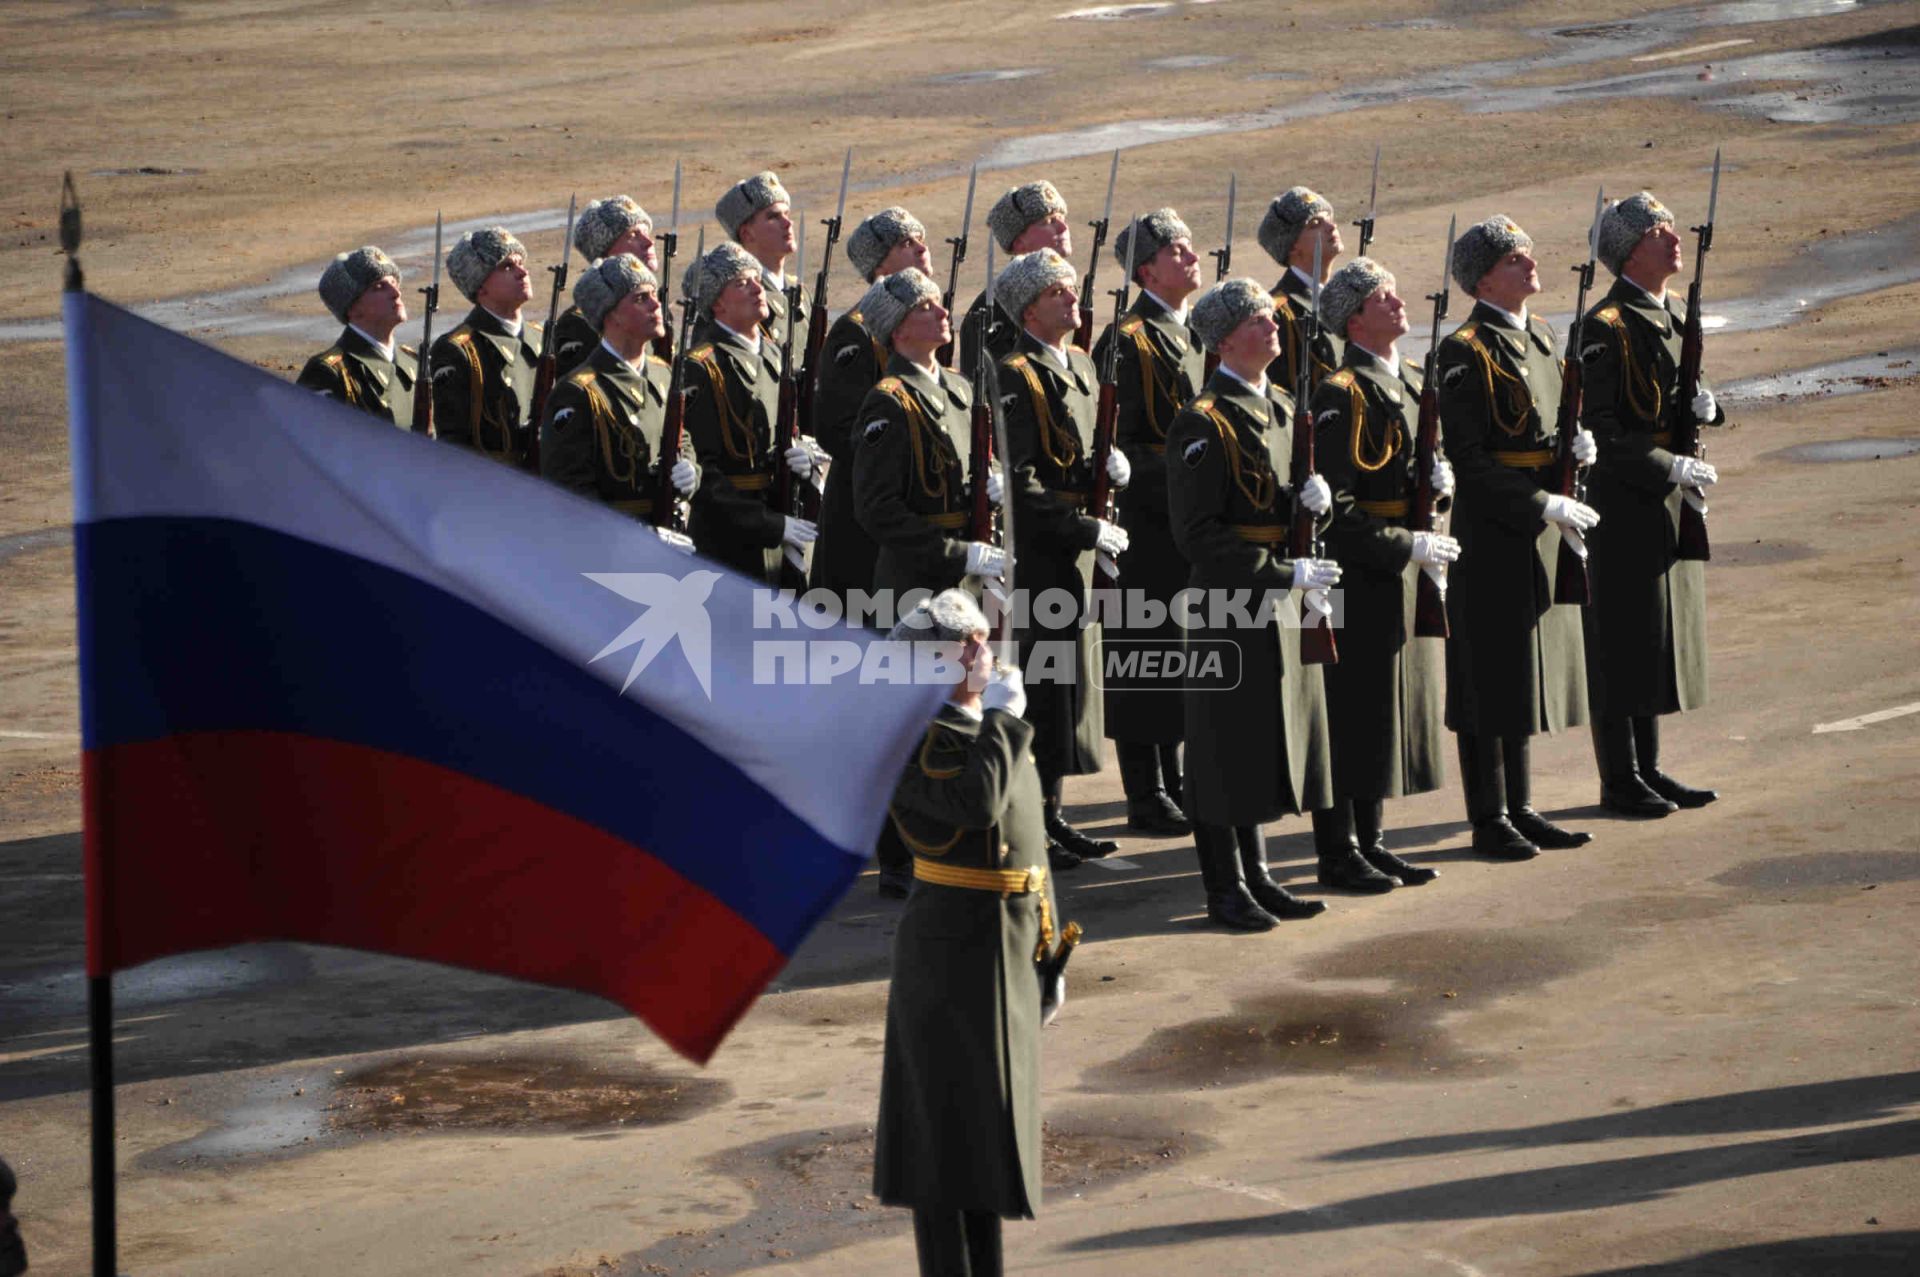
{"x": 988, "y": 77}
{"x": 14, "y": 544}
{"x": 1846, "y": 450}
{"x": 515, "y": 1094}
{"x": 1825, "y": 870}
{"x": 1187, "y": 62}
{"x": 1881, "y": 370}
{"x": 1113, "y": 12}
{"x": 1398, "y": 1033}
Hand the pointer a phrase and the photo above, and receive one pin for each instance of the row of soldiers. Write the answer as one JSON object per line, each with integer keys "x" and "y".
{"x": 1204, "y": 468}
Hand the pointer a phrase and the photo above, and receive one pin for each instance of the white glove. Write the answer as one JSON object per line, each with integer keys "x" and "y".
{"x": 1052, "y": 998}
{"x": 684, "y": 477}
{"x": 985, "y": 560}
{"x": 1569, "y": 513}
{"x": 678, "y": 540}
{"x": 1442, "y": 476}
{"x": 1691, "y": 472}
{"x": 1315, "y": 574}
{"x": 805, "y": 457}
{"x": 1119, "y": 470}
{"x": 1005, "y": 690}
{"x": 1113, "y": 540}
{"x": 996, "y": 484}
{"x": 798, "y": 532}
{"x": 1584, "y": 448}
{"x": 1316, "y": 495}
{"x": 1705, "y": 406}
{"x": 1435, "y": 548}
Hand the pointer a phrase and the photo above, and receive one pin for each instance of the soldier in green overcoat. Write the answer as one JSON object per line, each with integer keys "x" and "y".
{"x": 733, "y": 398}
{"x": 958, "y": 1139}
{"x": 1516, "y": 662}
{"x": 1299, "y": 223}
{"x": 1158, "y": 370}
{"x": 485, "y": 367}
{"x": 1049, "y": 395}
{"x": 852, "y": 359}
{"x": 1025, "y": 219}
{"x": 1647, "y": 624}
{"x": 365, "y": 368}
{"x": 1386, "y": 694}
{"x": 602, "y": 435}
{"x": 758, "y": 213}
{"x": 605, "y": 228}
{"x": 1256, "y": 721}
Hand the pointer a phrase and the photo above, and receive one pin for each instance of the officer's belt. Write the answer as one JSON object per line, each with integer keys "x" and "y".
{"x": 750, "y": 482}
{"x": 1157, "y": 449}
{"x": 1663, "y": 438}
{"x": 1261, "y": 533}
{"x": 1525, "y": 460}
{"x": 951, "y": 520}
{"x": 1394, "y": 509}
{"x": 1008, "y": 882}
{"x": 633, "y": 505}
{"x": 1069, "y": 496}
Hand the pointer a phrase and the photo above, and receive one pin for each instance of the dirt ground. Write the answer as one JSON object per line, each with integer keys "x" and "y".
{"x": 1687, "y": 1048}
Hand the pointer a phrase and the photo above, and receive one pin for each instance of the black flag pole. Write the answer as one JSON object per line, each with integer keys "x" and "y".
{"x": 99, "y": 981}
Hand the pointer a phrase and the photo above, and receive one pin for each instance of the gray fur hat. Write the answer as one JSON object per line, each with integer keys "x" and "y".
{"x": 1286, "y": 217}
{"x": 1029, "y": 275}
{"x": 1623, "y": 225}
{"x": 604, "y": 284}
{"x": 1157, "y": 230}
{"x": 1349, "y": 289}
{"x": 1227, "y": 305}
{"x": 604, "y": 221}
{"x": 475, "y": 255}
{"x": 350, "y": 274}
{"x": 721, "y": 266}
{"x": 1020, "y": 208}
{"x": 891, "y": 298}
{"x": 1482, "y": 245}
{"x": 745, "y": 198}
{"x": 879, "y": 235}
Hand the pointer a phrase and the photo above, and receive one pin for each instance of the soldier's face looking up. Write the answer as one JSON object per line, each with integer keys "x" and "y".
{"x": 1380, "y": 321}
{"x": 976, "y": 657}
{"x": 639, "y": 242}
{"x": 1054, "y": 313}
{"x": 380, "y": 309}
{"x": 741, "y": 304}
{"x": 1249, "y": 348}
{"x": 768, "y": 234}
{"x": 506, "y": 287}
{"x": 1655, "y": 259}
{"x": 1327, "y": 231}
{"x": 910, "y": 252}
{"x": 1173, "y": 272}
{"x": 923, "y": 331}
{"x": 1050, "y": 231}
{"x": 638, "y": 315}
{"x": 1513, "y": 279}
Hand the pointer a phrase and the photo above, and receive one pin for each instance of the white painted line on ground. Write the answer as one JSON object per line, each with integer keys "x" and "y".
{"x": 1867, "y": 720}
{"x": 1687, "y": 52}
{"x": 11, "y": 734}
{"x": 1118, "y": 864}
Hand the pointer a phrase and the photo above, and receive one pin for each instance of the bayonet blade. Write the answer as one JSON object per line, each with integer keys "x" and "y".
{"x": 991, "y": 245}
{"x": 1319, "y": 248}
{"x": 1593, "y": 232}
{"x": 566, "y": 242}
{"x": 1446, "y": 259}
{"x": 1373, "y": 194}
{"x": 846, "y": 168}
{"x": 1113, "y": 177}
{"x": 800, "y": 252}
{"x": 1233, "y": 193}
{"x": 437, "y": 241}
{"x": 966, "y": 214}
{"x": 673, "y": 219}
{"x": 1713, "y": 193}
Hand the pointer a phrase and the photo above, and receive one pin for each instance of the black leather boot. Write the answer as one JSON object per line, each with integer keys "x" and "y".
{"x": 1150, "y": 809}
{"x": 1229, "y": 903}
{"x": 1517, "y": 765}
{"x": 1341, "y": 864}
{"x": 1368, "y": 830}
{"x": 1646, "y": 750}
{"x": 1272, "y": 897}
{"x": 1622, "y": 791}
{"x": 1481, "y": 778}
{"x": 1060, "y": 857}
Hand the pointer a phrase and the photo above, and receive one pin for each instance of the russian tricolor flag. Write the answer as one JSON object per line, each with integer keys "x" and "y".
{"x": 343, "y": 685}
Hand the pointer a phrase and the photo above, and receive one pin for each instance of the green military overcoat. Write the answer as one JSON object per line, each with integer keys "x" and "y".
{"x": 1516, "y": 661}
{"x": 959, "y": 1121}
{"x": 573, "y": 340}
{"x": 601, "y": 437}
{"x": 1386, "y": 696}
{"x": 1647, "y": 624}
{"x": 1003, "y": 336}
{"x": 733, "y": 400}
{"x": 851, "y": 361}
{"x": 1292, "y": 299}
{"x": 483, "y": 379}
{"x": 1049, "y": 412}
{"x": 1159, "y": 370}
{"x": 912, "y": 489}
{"x": 1258, "y": 748}
{"x": 359, "y": 374}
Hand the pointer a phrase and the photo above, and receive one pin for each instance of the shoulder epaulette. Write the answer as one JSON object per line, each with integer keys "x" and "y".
{"x": 410, "y": 350}
{"x": 1343, "y": 378}
{"x": 581, "y": 377}
{"x": 1608, "y": 314}
{"x": 1017, "y": 361}
{"x": 654, "y": 361}
{"x": 461, "y": 337}
{"x": 703, "y": 352}
{"x": 1203, "y": 404}
{"x": 887, "y": 385}
{"x": 335, "y": 359}
{"x": 856, "y": 316}
{"x": 1073, "y": 350}
{"x": 1467, "y": 332}
{"x": 1133, "y": 325}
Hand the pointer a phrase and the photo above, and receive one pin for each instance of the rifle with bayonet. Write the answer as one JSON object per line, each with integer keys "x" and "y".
{"x": 1692, "y": 536}
{"x": 989, "y": 379}
{"x": 1303, "y": 537}
{"x": 1083, "y": 336}
{"x": 423, "y": 376}
{"x": 663, "y": 345}
{"x": 1570, "y": 583}
{"x": 547, "y": 372}
{"x": 1101, "y": 502}
{"x": 792, "y": 495}
{"x": 945, "y": 354}
{"x": 1373, "y": 202}
{"x": 1223, "y": 255}
{"x": 1430, "y": 588}
{"x": 669, "y": 510}
{"x": 984, "y": 522}
{"x": 817, "y": 316}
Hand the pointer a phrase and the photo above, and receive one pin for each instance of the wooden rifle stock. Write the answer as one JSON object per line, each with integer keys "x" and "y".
{"x": 1570, "y": 583}
{"x": 1692, "y": 535}
{"x": 663, "y": 344}
{"x": 667, "y": 509}
{"x": 423, "y": 384}
{"x": 1101, "y": 503}
{"x": 1429, "y": 600}
{"x": 1303, "y": 542}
